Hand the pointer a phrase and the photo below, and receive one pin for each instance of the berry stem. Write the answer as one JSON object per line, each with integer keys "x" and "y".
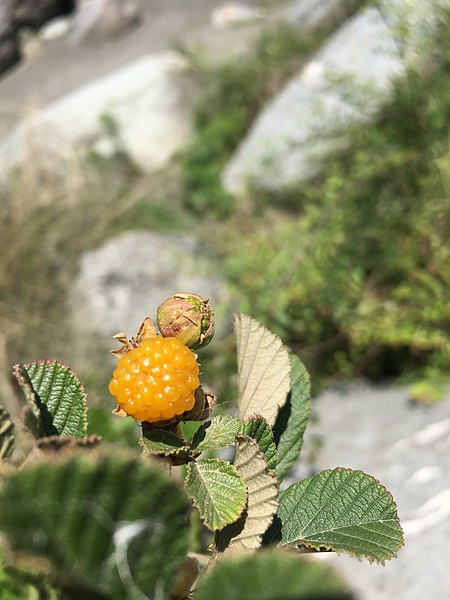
{"x": 172, "y": 427}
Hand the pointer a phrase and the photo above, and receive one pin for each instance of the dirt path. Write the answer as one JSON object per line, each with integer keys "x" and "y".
{"x": 60, "y": 67}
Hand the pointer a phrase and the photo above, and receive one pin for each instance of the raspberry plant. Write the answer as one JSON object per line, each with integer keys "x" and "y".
{"x": 109, "y": 523}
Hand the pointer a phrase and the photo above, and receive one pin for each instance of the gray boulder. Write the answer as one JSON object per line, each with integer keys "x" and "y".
{"x": 311, "y": 15}
{"x": 126, "y": 279}
{"x": 103, "y": 20}
{"x": 407, "y": 448}
{"x": 291, "y": 135}
{"x": 142, "y": 99}
{"x": 346, "y": 82}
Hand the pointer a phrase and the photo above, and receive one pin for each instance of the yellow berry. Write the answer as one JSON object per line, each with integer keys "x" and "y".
{"x": 157, "y": 380}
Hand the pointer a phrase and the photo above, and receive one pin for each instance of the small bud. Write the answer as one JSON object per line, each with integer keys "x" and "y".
{"x": 188, "y": 318}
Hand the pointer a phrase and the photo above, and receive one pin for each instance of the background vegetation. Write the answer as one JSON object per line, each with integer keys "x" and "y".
{"x": 351, "y": 269}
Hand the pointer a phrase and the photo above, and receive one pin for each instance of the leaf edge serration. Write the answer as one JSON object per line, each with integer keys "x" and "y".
{"x": 25, "y": 384}
{"x": 323, "y": 547}
{"x": 189, "y": 468}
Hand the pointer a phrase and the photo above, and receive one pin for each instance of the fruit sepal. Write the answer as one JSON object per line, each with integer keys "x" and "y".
{"x": 146, "y": 331}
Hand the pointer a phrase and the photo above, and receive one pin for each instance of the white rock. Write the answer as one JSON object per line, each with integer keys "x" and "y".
{"x": 102, "y": 20}
{"x": 55, "y": 29}
{"x": 288, "y": 139}
{"x": 142, "y": 99}
{"x": 348, "y": 81}
{"x": 358, "y": 426}
{"x": 230, "y": 14}
{"x": 312, "y": 14}
{"x": 128, "y": 277}
{"x": 425, "y": 474}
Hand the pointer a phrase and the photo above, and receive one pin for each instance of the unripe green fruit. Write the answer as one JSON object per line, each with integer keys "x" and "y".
{"x": 188, "y": 318}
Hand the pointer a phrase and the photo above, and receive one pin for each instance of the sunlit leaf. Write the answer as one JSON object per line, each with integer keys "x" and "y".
{"x": 263, "y": 370}
{"x": 341, "y": 510}
{"x": 218, "y": 433}
{"x": 293, "y": 418}
{"x": 217, "y": 490}
{"x": 262, "y": 504}
{"x": 56, "y": 397}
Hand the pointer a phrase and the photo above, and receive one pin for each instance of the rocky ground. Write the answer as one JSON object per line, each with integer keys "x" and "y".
{"x": 406, "y": 447}
{"x": 53, "y": 68}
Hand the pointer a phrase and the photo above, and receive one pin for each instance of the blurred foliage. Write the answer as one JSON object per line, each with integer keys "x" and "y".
{"x": 352, "y": 268}
{"x": 233, "y": 95}
{"x": 48, "y": 218}
{"x": 355, "y": 274}
{"x": 20, "y": 584}
{"x": 111, "y": 428}
{"x": 44, "y": 228}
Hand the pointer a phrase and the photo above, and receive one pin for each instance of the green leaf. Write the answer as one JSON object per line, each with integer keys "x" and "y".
{"x": 293, "y": 418}
{"x": 259, "y": 429}
{"x": 219, "y": 432}
{"x": 217, "y": 491}
{"x": 269, "y": 575}
{"x": 263, "y": 370}
{"x": 106, "y": 519}
{"x": 6, "y": 434}
{"x": 56, "y": 398}
{"x": 165, "y": 443}
{"x": 341, "y": 510}
{"x": 246, "y": 533}
{"x": 20, "y": 584}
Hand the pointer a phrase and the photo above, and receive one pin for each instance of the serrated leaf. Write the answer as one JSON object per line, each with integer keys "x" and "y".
{"x": 262, "y": 486}
{"x": 292, "y": 419}
{"x": 67, "y": 443}
{"x": 56, "y": 396}
{"x": 218, "y": 433}
{"x": 222, "y": 430}
{"x": 6, "y": 434}
{"x": 341, "y": 510}
{"x": 269, "y": 575}
{"x": 107, "y": 519}
{"x": 263, "y": 370}
{"x": 259, "y": 429}
{"x": 165, "y": 443}
{"x": 217, "y": 490}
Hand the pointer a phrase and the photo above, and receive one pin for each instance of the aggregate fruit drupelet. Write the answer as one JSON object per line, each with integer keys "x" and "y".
{"x": 156, "y": 381}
